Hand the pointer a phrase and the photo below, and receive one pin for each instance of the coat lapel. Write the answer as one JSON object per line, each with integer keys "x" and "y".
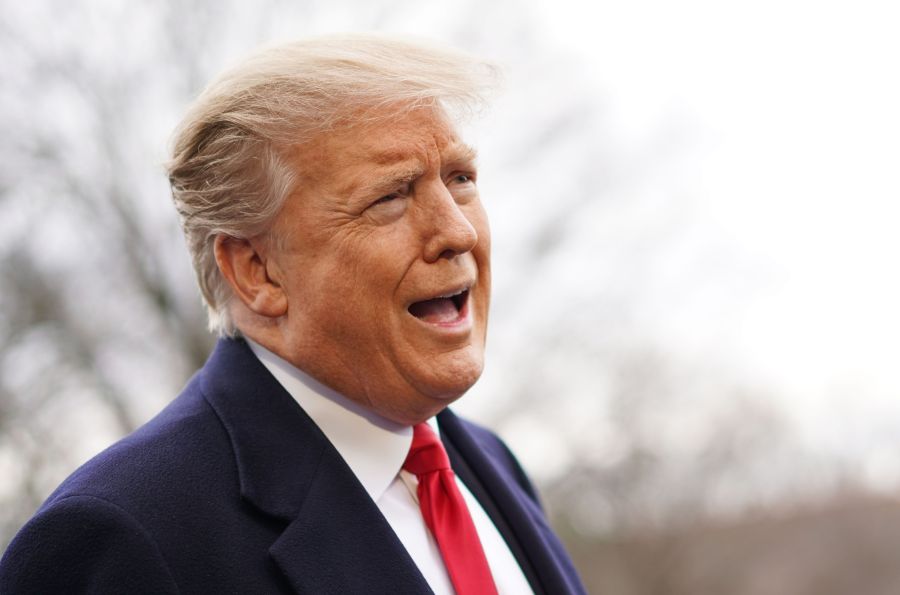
{"x": 493, "y": 475}
{"x": 341, "y": 543}
{"x": 336, "y": 540}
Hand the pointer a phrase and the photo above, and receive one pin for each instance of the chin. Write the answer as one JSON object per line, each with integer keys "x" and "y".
{"x": 452, "y": 379}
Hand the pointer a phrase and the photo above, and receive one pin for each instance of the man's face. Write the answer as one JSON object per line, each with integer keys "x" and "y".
{"x": 384, "y": 255}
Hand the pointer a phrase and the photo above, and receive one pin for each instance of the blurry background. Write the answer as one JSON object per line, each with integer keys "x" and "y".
{"x": 694, "y": 334}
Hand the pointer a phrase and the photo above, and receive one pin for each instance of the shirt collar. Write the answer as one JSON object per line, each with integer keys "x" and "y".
{"x": 373, "y": 447}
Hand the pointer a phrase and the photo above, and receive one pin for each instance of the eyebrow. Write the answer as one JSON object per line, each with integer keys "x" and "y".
{"x": 397, "y": 177}
{"x": 406, "y": 168}
{"x": 384, "y": 181}
{"x": 454, "y": 153}
{"x": 461, "y": 152}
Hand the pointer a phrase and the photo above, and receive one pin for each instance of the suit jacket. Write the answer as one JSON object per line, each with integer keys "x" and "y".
{"x": 233, "y": 489}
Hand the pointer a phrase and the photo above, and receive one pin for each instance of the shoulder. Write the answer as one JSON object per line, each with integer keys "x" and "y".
{"x": 84, "y": 544}
{"x": 181, "y": 444}
{"x": 101, "y": 529}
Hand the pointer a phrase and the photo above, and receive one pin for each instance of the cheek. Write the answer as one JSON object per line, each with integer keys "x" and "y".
{"x": 478, "y": 218}
{"x": 482, "y": 251}
{"x": 362, "y": 283}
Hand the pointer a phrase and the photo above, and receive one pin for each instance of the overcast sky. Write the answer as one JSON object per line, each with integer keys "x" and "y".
{"x": 781, "y": 134}
{"x": 792, "y": 112}
{"x": 779, "y": 129}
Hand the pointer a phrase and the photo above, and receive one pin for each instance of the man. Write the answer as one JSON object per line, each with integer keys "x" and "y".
{"x": 333, "y": 217}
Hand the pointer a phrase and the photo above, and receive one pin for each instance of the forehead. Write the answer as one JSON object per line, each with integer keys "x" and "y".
{"x": 424, "y": 136}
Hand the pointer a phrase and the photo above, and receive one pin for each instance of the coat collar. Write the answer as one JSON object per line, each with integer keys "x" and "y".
{"x": 373, "y": 447}
{"x": 336, "y": 539}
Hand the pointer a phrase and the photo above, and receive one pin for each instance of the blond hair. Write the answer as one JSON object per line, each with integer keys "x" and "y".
{"x": 230, "y": 170}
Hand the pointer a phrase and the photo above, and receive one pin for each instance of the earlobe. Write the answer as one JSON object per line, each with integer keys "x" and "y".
{"x": 244, "y": 265}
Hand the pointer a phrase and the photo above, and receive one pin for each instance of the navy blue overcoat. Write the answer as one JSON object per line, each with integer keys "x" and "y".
{"x": 233, "y": 489}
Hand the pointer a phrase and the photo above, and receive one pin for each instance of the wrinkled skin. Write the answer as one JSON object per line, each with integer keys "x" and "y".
{"x": 385, "y": 215}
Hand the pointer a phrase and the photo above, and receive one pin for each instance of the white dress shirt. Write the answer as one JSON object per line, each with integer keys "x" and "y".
{"x": 375, "y": 448}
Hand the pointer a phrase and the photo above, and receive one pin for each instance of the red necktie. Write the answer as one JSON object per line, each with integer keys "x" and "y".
{"x": 446, "y": 515}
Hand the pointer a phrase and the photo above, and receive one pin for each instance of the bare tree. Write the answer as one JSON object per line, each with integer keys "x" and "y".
{"x": 100, "y": 322}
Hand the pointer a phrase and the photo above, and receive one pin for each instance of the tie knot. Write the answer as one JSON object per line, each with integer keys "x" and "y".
{"x": 426, "y": 454}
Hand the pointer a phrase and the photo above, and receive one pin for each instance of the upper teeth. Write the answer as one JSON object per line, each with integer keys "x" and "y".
{"x": 450, "y": 295}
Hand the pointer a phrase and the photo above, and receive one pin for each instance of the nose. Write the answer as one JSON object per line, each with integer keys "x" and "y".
{"x": 448, "y": 231}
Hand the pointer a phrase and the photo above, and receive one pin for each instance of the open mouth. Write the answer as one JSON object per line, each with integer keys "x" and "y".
{"x": 445, "y": 309}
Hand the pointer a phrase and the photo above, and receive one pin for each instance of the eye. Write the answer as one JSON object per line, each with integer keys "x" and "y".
{"x": 387, "y": 198}
{"x": 463, "y": 178}
{"x": 390, "y": 206}
{"x": 401, "y": 191}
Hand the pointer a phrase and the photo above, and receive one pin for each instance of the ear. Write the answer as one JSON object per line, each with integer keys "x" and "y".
{"x": 244, "y": 265}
